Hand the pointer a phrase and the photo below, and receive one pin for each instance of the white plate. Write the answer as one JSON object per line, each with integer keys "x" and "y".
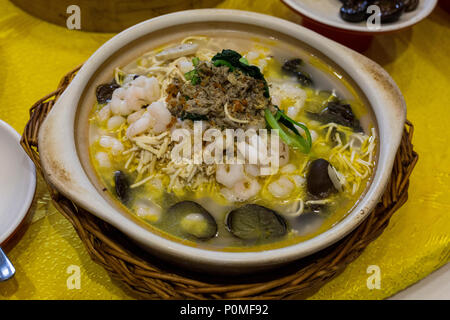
{"x": 327, "y": 12}
{"x": 17, "y": 181}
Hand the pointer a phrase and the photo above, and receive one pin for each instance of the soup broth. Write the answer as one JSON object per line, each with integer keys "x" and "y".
{"x": 324, "y": 133}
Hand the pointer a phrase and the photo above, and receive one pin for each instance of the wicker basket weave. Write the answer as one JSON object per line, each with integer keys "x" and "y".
{"x": 148, "y": 278}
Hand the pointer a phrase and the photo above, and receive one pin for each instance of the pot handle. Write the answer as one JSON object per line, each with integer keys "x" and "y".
{"x": 38, "y": 113}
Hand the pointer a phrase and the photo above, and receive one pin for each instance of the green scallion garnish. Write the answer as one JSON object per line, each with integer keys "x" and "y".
{"x": 280, "y": 121}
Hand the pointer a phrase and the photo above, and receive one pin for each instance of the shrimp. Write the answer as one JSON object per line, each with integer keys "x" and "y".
{"x": 115, "y": 122}
{"x": 148, "y": 210}
{"x": 289, "y": 168}
{"x": 111, "y": 143}
{"x": 157, "y": 118}
{"x": 229, "y": 174}
{"x": 276, "y": 100}
{"x": 298, "y": 180}
{"x": 103, "y": 159}
{"x": 252, "y": 55}
{"x": 135, "y": 116}
{"x": 252, "y": 170}
{"x": 255, "y": 151}
{"x": 292, "y": 111}
{"x": 135, "y": 98}
{"x": 247, "y": 188}
{"x": 141, "y": 125}
{"x": 290, "y": 90}
{"x": 161, "y": 116}
{"x": 242, "y": 190}
{"x": 280, "y": 150}
{"x": 118, "y": 103}
{"x": 262, "y": 64}
{"x": 104, "y": 113}
{"x": 134, "y": 95}
{"x": 150, "y": 87}
{"x": 281, "y": 188}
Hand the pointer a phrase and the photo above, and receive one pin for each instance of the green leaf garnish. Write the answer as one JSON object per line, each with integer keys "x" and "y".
{"x": 244, "y": 61}
{"x": 219, "y": 63}
{"x": 238, "y": 62}
{"x": 295, "y": 139}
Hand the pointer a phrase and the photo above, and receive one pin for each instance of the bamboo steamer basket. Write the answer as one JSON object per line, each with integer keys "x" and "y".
{"x": 108, "y": 15}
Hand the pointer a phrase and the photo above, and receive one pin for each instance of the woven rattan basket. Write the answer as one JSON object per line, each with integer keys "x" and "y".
{"x": 148, "y": 278}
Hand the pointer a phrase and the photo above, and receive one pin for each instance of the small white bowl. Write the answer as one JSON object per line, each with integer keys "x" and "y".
{"x": 327, "y": 12}
{"x": 17, "y": 182}
{"x": 63, "y": 136}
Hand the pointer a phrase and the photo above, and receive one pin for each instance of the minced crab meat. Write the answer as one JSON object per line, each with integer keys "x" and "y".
{"x": 221, "y": 97}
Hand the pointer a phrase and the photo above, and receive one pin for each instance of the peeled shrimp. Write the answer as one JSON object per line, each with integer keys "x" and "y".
{"x": 141, "y": 125}
{"x": 276, "y": 100}
{"x": 161, "y": 116}
{"x": 111, "y": 143}
{"x": 252, "y": 170}
{"x": 292, "y": 111}
{"x": 134, "y": 95}
{"x": 247, "y": 188}
{"x": 289, "y": 168}
{"x": 135, "y": 116}
{"x": 157, "y": 118}
{"x": 115, "y": 122}
{"x": 291, "y": 90}
{"x": 118, "y": 103}
{"x": 104, "y": 113}
{"x": 229, "y": 174}
{"x": 150, "y": 87}
{"x": 262, "y": 64}
{"x": 298, "y": 180}
{"x": 103, "y": 159}
{"x": 242, "y": 190}
{"x": 252, "y": 55}
{"x": 148, "y": 210}
{"x": 281, "y": 188}
{"x": 281, "y": 150}
{"x": 255, "y": 151}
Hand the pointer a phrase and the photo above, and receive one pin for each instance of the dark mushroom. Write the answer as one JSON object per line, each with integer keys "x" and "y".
{"x": 253, "y": 222}
{"x": 122, "y": 186}
{"x": 339, "y": 113}
{"x": 390, "y": 10}
{"x": 104, "y": 91}
{"x": 191, "y": 220}
{"x": 318, "y": 182}
{"x": 354, "y": 10}
{"x": 293, "y": 67}
{"x": 410, "y": 5}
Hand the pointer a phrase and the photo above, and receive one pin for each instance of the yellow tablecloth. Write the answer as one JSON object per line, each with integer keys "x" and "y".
{"x": 34, "y": 56}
